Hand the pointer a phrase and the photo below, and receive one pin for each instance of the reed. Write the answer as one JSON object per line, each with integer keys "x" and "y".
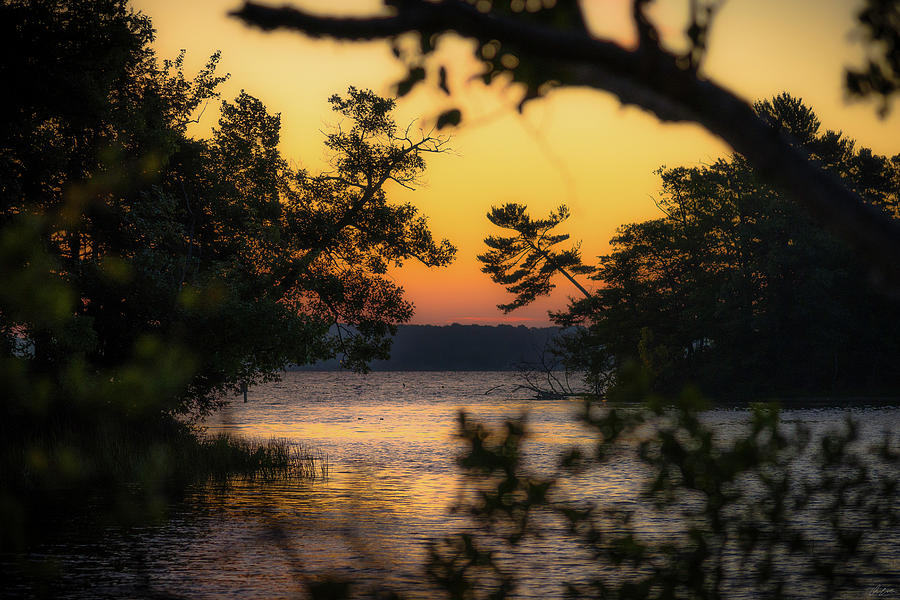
{"x": 276, "y": 458}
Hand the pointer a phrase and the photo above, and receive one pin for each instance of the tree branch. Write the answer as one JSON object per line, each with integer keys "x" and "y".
{"x": 556, "y": 266}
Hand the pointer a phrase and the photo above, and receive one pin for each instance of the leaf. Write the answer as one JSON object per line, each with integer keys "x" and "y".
{"x": 450, "y": 117}
{"x": 416, "y": 74}
{"x": 442, "y": 83}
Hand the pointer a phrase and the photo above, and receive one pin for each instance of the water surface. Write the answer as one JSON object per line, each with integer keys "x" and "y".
{"x": 390, "y": 440}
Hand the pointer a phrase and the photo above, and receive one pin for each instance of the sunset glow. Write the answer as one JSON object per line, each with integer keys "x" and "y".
{"x": 578, "y": 147}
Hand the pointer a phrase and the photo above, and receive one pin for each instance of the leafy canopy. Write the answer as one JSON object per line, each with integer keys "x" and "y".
{"x": 148, "y": 273}
{"x": 738, "y": 291}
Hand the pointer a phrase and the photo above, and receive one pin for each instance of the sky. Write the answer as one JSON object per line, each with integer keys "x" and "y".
{"x": 577, "y": 146}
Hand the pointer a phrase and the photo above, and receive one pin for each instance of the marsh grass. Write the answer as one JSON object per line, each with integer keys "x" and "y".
{"x": 226, "y": 455}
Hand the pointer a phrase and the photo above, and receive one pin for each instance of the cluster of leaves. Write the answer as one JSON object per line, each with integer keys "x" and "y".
{"x": 499, "y": 61}
{"x": 147, "y": 273}
{"x": 540, "y": 43}
{"x": 774, "y": 511}
{"x": 735, "y": 288}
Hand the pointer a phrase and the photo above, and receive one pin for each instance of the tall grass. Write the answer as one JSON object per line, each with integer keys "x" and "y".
{"x": 226, "y": 455}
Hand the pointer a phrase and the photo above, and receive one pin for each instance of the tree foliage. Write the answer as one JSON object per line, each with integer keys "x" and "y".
{"x": 524, "y": 263}
{"x": 216, "y": 245}
{"x": 737, "y": 290}
{"x": 147, "y": 273}
{"x": 879, "y": 26}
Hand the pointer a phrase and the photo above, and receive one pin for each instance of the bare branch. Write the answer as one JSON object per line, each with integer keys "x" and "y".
{"x": 658, "y": 205}
{"x": 343, "y": 180}
{"x": 400, "y": 183}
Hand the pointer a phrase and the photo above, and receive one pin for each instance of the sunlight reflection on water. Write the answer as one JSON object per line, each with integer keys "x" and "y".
{"x": 390, "y": 441}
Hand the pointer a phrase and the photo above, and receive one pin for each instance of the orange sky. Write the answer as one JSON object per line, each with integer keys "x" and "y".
{"x": 577, "y": 146}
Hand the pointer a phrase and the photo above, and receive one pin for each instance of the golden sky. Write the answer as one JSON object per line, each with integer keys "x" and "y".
{"x": 578, "y": 147}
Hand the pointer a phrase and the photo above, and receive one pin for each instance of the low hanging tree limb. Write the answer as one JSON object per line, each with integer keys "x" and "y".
{"x": 647, "y": 76}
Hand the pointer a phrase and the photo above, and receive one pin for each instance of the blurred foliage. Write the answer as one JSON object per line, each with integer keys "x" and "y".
{"x": 501, "y": 63}
{"x": 771, "y": 512}
{"x": 147, "y": 274}
{"x": 879, "y": 28}
{"x": 735, "y": 289}
{"x": 508, "y": 55}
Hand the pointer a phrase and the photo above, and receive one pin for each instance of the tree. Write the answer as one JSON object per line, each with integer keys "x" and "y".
{"x": 215, "y": 249}
{"x": 147, "y": 273}
{"x": 91, "y": 121}
{"x": 524, "y": 263}
{"x": 736, "y": 289}
{"x": 216, "y": 246}
{"x": 550, "y": 47}
{"x": 348, "y": 232}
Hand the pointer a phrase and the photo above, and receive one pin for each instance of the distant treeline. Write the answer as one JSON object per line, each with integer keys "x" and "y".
{"x": 459, "y": 348}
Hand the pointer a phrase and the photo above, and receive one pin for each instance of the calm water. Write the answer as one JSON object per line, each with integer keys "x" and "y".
{"x": 389, "y": 437}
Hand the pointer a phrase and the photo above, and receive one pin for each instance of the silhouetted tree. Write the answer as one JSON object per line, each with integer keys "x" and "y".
{"x": 210, "y": 244}
{"x": 736, "y": 289}
{"x": 525, "y": 263}
{"x": 147, "y": 273}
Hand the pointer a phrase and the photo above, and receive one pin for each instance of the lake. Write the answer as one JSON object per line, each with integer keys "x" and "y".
{"x": 390, "y": 441}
